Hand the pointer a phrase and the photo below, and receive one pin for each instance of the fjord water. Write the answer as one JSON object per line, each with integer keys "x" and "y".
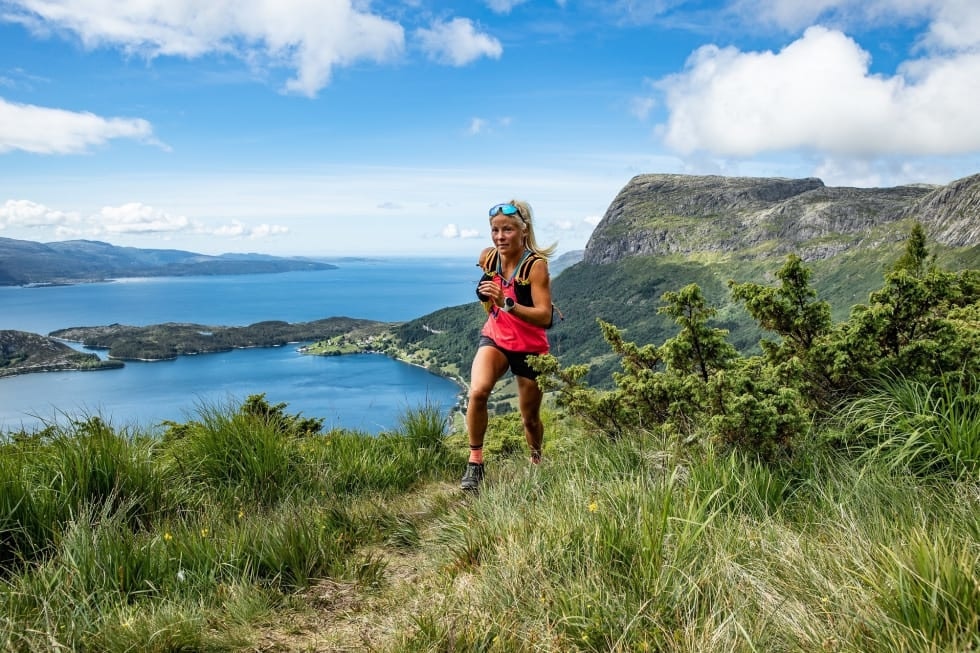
{"x": 363, "y": 392}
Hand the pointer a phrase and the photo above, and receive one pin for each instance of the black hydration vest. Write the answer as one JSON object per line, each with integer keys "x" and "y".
{"x": 521, "y": 280}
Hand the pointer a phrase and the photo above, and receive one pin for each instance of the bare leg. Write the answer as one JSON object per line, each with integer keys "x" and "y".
{"x": 530, "y": 397}
{"x": 489, "y": 365}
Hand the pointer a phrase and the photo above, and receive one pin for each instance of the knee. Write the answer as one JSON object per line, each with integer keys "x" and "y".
{"x": 479, "y": 396}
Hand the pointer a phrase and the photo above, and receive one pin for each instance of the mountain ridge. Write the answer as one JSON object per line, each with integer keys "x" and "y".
{"x": 25, "y": 262}
{"x": 664, "y": 214}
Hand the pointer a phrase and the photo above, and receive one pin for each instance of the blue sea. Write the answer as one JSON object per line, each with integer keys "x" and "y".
{"x": 364, "y": 392}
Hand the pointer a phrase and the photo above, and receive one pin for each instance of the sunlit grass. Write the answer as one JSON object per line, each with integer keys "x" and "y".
{"x": 111, "y": 540}
{"x": 618, "y": 550}
{"x": 208, "y": 537}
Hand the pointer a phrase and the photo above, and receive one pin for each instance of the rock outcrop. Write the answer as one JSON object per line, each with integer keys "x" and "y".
{"x": 951, "y": 213}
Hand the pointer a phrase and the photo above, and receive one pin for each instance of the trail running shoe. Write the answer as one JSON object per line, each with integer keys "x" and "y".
{"x": 473, "y": 477}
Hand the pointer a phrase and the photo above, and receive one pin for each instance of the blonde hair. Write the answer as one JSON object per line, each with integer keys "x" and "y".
{"x": 525, "y": 217}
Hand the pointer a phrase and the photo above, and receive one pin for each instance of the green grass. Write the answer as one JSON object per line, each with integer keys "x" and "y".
{"x": 927, "y": 428}
{"x": 112, "y": 540}
{"x": 236, "y": 531}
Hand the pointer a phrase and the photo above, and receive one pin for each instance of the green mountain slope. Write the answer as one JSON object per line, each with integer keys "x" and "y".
{"x": 663, "y": 232}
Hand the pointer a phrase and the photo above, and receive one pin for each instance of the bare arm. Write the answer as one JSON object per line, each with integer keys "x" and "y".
{"x": 540, "y": 313}
{"x": 482, "y": 262}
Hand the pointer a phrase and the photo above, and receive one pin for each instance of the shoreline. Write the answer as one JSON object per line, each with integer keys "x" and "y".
{"x": 114, "y": 362}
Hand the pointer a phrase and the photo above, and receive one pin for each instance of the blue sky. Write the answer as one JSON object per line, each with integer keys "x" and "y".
{"x": 321, "y": 127}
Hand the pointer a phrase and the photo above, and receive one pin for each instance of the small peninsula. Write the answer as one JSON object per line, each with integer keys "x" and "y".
{"x": 22, "y": 352}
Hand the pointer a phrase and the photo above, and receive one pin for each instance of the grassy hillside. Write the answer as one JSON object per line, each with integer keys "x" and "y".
{"x": 820, "y": 496}
{"x": 238, "y": 531}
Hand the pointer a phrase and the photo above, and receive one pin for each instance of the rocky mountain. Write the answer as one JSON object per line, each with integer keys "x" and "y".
{"x": 24, "y": 262}
{"x": 951, "y": 213}
{"x": 662, "y": 214}
{"x": 662, "y": 232}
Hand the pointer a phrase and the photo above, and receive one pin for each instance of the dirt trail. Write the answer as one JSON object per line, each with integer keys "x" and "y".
{"x": 345, "y": 616}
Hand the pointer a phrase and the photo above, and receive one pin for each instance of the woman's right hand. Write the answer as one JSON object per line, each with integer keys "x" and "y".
{"x": 492, "y": 291}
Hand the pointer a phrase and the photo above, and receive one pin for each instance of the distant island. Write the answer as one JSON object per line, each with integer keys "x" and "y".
{"x": 22, "y": 352}
{"x": 28, "y": 263}
{"x": 170, "y": 340}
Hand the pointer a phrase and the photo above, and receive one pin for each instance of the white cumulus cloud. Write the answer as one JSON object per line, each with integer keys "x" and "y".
{"x": 24, "y": 213}
{"x": 949, "y": 24}
{"x": 452, "y": 231}
{"x": 234, "y": 229}
{"x": 310, "y": 37}
{"x": 135, "y": 217}
{"x": 818, "y": 94}
{"x": 457, "y": 42}
{"x": 266, "y": 230}
{"x": 41, "y": 130}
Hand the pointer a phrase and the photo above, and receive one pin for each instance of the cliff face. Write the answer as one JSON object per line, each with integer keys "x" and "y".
{"x": 682, "y": 214}
{"x": 951, "y": 213}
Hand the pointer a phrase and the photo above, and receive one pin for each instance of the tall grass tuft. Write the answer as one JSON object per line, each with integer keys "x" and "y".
{"x": 238, "y": 453}
{"x": 933, "y": 588}
{"x": 22, "y": 535}
{"x": 926, "y": 428}
{"x": 49, "y": 480}
{"x": 91, "y": 463}
{"x": 425, "y": 429}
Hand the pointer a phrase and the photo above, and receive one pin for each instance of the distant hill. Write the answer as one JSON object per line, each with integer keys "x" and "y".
{"x": 566, "y": 260}
{"x": 24, "y": 262}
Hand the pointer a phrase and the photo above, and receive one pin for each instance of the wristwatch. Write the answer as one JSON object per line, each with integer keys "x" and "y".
{"x": 508, "y": 305}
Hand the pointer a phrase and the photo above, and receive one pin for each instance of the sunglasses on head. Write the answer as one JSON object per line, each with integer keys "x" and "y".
{"x": 506, "y": 209}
